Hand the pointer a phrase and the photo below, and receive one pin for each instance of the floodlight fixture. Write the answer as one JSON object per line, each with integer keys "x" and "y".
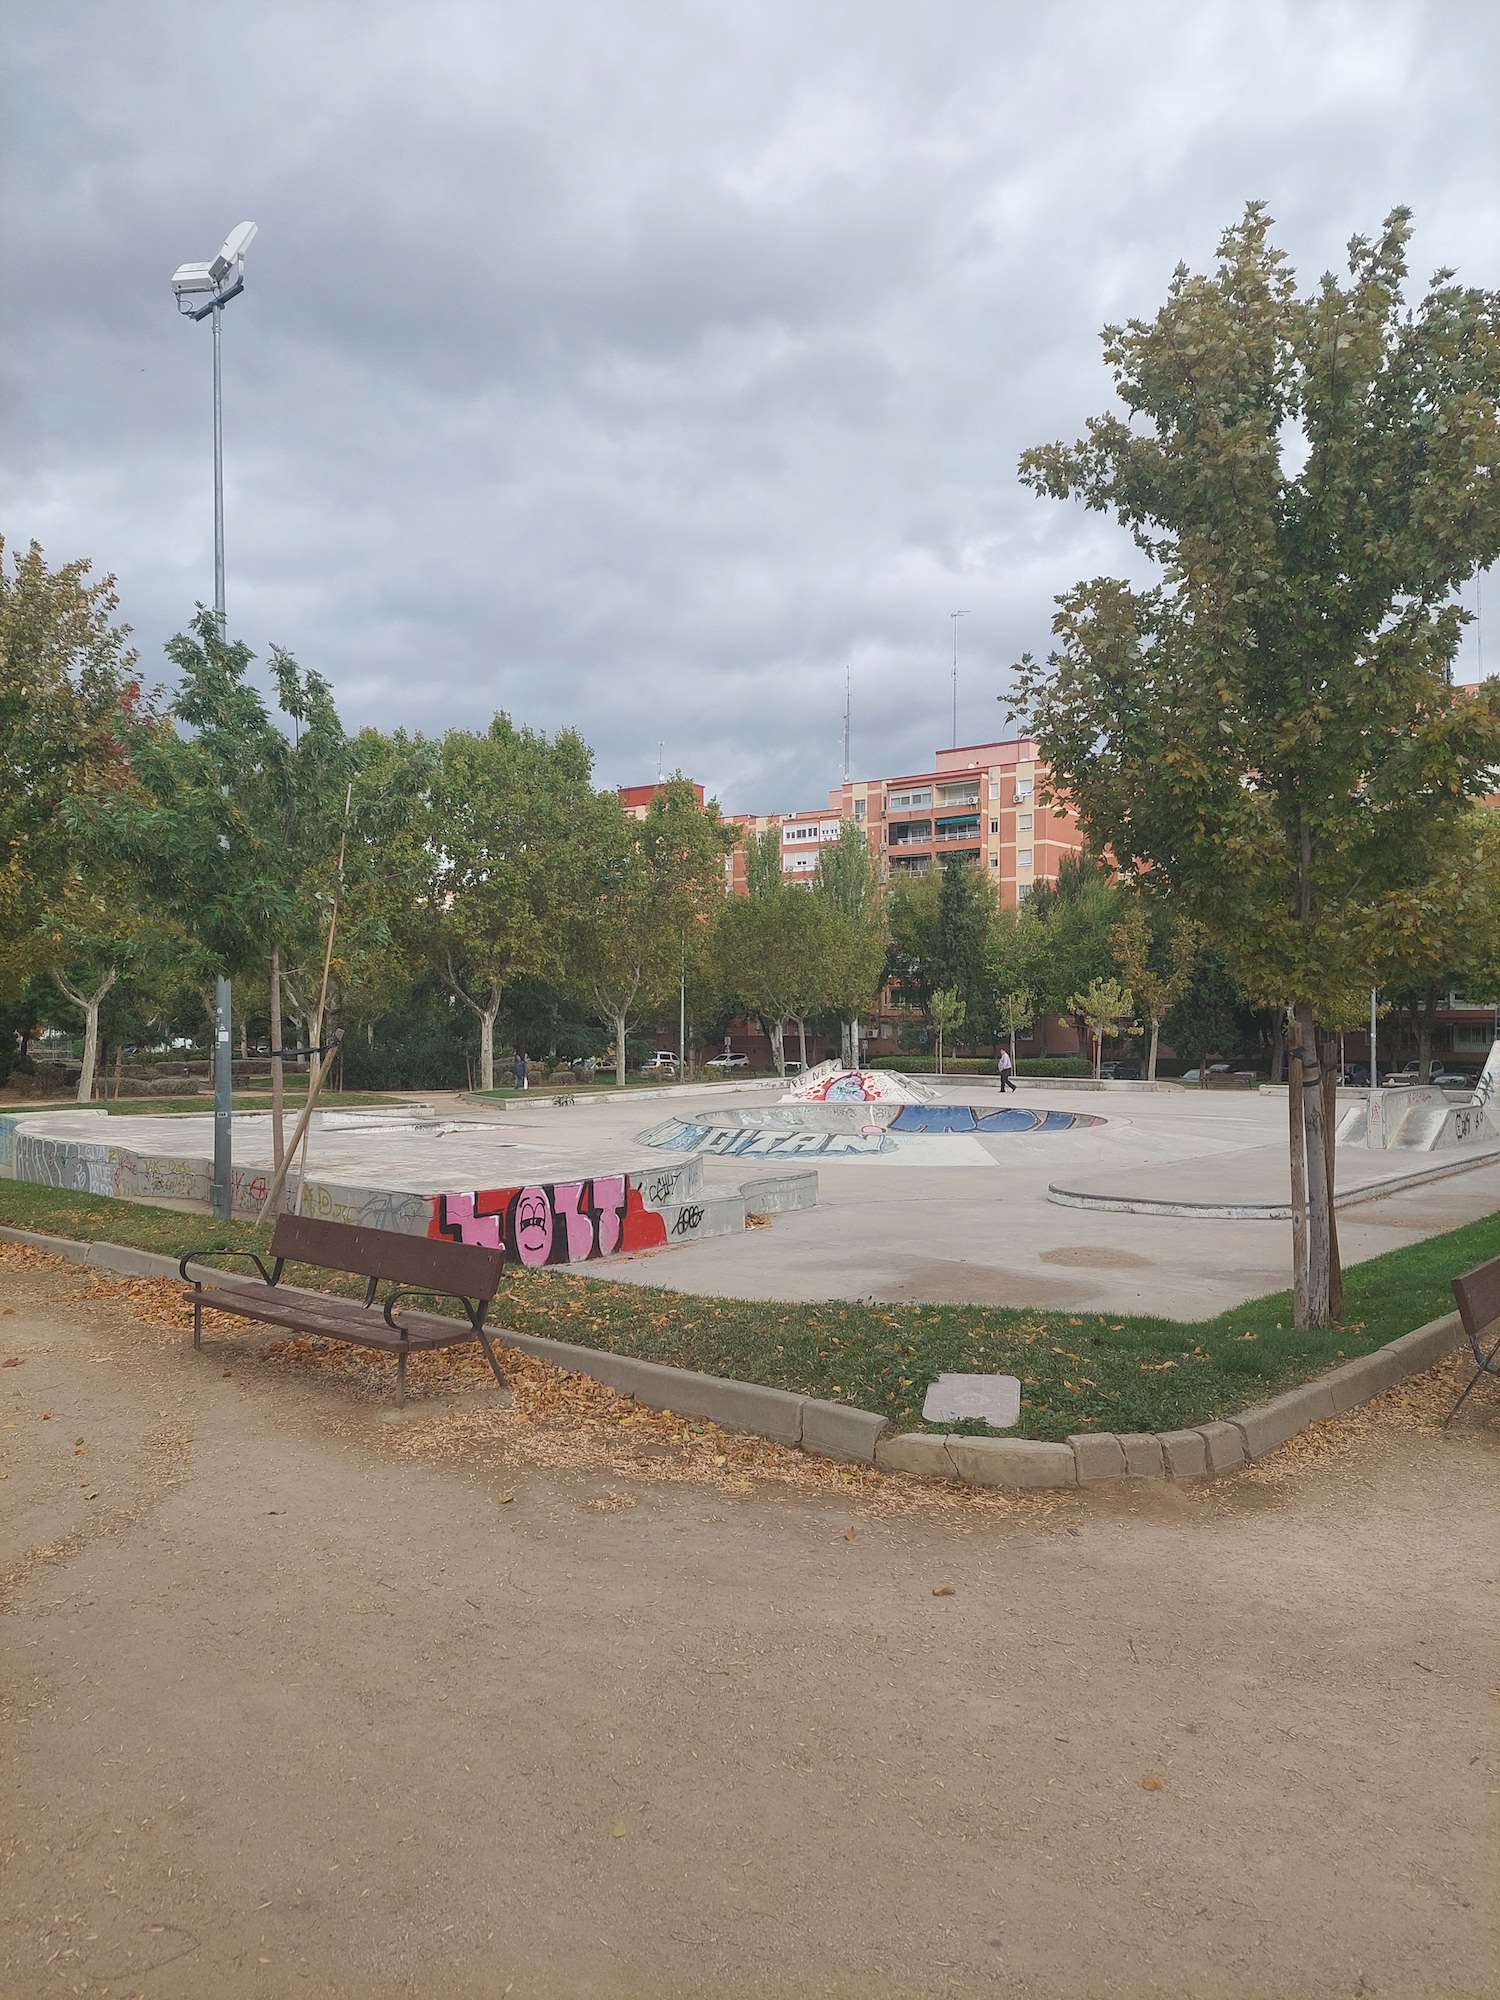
{"x": 216, "y": 282}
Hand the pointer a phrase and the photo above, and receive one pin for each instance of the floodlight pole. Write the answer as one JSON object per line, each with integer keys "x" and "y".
{"x": 218, "y": 315}
{"x": 220, "y": 1189}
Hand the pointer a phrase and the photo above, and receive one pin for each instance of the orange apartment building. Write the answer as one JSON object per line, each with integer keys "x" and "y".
{"x": 978, "y": 803}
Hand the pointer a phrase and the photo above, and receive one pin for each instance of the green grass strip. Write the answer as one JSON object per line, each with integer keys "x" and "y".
{"x": 1110, "y": 1371}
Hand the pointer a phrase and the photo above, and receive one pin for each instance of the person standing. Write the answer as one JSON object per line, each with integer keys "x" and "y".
{"x": 1007, "y": 1079}
{"x": 519, "y": 1071}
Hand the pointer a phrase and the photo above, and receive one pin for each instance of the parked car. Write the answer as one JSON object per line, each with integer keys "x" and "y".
{"x": 1209, "y": 1070}
{"x": 1441, "y": 1077}
{"x": 727, "y": 1061}
{"x": 660, "y": 1059}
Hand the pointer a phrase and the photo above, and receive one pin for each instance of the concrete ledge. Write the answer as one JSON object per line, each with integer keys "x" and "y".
{"x": 778, "y": 1194}
{"x": 834, "y": 1430}
{"x": 1356, "y": 1382}
{"x": 1099, "y": 1455}
{"x": 922, "y": 1452}
{"x": 1186, "y": 1453}
{"x": 738, "y": 1406}
{"x": 1144, "y": 1458}
{"x": 1012, "y": 1462}
{"x": 1269, "y": 1425}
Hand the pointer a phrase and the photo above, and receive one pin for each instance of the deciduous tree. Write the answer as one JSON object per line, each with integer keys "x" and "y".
{"x": 1270, "y": 727}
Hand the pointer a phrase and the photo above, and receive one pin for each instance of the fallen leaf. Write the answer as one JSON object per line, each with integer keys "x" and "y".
{"x": 11, "y": 1361}
{"x": 619, "y": 1833}
{"x": 506, "y": 1498}
{"x": 1151, "y": 1783}
{"x": 848, "y": 1534}
{"x": 944, "y": 1590}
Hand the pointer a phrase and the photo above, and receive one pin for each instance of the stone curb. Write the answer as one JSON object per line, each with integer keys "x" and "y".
{"x": 838, "y": 1430}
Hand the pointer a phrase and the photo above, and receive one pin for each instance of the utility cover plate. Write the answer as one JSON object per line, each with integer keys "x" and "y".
{"x": 992, "y": 1399}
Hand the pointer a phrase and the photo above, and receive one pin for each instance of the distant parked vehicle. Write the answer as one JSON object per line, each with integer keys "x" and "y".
{"x": 727, "y": 1062}
{"x": 661, "y": 1059}
{"x": 1442, "y": 1078}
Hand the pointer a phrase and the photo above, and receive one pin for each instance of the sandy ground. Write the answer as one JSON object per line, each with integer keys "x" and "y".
{"x": 529, "y": 1697}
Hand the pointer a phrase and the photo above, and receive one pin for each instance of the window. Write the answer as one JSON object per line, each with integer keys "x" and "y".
{"x": 1023, "y": 891}
{"x": 994, "y": 788}
{"x": 911, "y": 801}
{"x": 994, "y": 861}
{"x": 1023, "y": 857}
{"x": 994, "y": 826}
{"x": 1023, "y": 789}
{"x": 859, "y": 808}
{"x": 1023, "y": 824}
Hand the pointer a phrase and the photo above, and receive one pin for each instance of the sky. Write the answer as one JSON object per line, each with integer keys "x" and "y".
{"x": 640, "y": 368}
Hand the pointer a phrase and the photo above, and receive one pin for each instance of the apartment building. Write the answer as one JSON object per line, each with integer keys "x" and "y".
{"x": 978, "y": 804}
{"x": 636, "y": 799}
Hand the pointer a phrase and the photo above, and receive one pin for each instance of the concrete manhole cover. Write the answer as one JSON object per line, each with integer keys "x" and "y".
{"x": 991, "y": 1399}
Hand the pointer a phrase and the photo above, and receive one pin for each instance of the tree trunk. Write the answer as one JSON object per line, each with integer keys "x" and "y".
{"x": 620, "y": 1020}
{"x": 940, "y": 1048}
{"x": 119, "y": 1069}
{"x": 776, "y": 1035}
{"x": 1098, "y": 1052}
{"x": 1278, "y": 1050}
{"x": 278, "y": 1065}
{"x": 1151, "y": 1058}
{"x": 1319, "y": 1212}
{"x": 802, "y": 1041}
{"x": 1330, "y": 1142}
{"x": 89, "y": 1002}
{"x": 487, "y": 1044}
{"x": 1297, "y": 1137}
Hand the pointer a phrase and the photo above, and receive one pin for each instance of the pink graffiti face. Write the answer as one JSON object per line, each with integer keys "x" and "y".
{"x": 533, "y": 1226}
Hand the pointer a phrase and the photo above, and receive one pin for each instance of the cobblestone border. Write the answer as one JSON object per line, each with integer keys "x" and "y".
{"x": 835, "y": 1430}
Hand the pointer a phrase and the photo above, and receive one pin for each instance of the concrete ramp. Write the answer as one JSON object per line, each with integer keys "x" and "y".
{"x": 1416, "y": 1120}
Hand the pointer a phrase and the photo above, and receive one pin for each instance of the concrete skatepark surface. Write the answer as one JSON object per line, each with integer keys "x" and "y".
{"x": 286, "y": 1713}
{"x": 918, "y": 1226}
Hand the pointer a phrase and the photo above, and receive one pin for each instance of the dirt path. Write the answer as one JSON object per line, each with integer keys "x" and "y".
{"x": 301, "y": 1702}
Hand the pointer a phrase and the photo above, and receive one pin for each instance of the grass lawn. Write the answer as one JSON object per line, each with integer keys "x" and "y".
{"x": 128, "y": 1107}
{"x": 1078, "y": 1370}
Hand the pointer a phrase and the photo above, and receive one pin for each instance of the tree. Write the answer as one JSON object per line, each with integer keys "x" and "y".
{"x": 1451, "y": 936}
{"x": 947, "y": 1009}
{"x": 1073, "y": 921}
{"x": 1102, "y": 1008}
{"x": 855, "y": 947}
{"x": 65, "y": 673}
{"x": 1269, "y": 728}
{"x": 649, "y": 881}
{"x": 495, "y": 862}
{"x": 1157, "y": 962}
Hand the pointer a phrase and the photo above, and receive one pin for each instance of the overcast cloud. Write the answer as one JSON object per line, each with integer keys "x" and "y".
{"x": 636, "y": 366}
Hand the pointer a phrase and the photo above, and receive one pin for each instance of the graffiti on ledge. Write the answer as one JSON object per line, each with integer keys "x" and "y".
{"x": 565, "y": 1222}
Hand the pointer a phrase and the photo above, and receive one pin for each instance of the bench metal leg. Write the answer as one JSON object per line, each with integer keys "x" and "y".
{"x": 197, "y": 1321}
{"x": 489, "y": 1355}
{"x": 401, "y": 1377}
{"x": 1486, "y": 1367}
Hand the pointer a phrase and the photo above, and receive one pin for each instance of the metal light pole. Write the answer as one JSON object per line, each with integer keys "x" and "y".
{"x": 222, "y": 279}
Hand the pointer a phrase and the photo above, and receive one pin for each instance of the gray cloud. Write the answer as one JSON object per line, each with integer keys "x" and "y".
{"x": 637, "y": 367}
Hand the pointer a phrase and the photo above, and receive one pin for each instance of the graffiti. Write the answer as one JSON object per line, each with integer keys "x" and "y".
{"x": 567, "y": 1222}
{"x": 658, "y": 1189}
{"x": 688, "y": 1219}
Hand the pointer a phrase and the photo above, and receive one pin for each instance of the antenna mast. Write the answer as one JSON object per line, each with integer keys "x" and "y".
{"x": 846, "y": 726}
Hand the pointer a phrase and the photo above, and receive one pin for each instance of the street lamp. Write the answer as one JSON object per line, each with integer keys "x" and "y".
{"x": 217, "y": 282}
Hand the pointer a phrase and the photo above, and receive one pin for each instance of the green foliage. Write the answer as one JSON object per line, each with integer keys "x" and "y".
{"x": 647, "y": 883}
{"x": 66, "y": 673}
{"x": 1270, "y": 729}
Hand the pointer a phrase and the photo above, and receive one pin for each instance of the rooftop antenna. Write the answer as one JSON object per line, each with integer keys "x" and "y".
{"x": 846, "y": 725}
{"x": 953, "y": 618}
{"x": 659, "y": 748}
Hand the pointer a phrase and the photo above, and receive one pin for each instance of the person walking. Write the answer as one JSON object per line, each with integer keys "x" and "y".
{"x": 519, "y": 1077}
{"x": 1007, "y": 1079}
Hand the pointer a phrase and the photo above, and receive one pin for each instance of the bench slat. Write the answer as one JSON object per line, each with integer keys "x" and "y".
{"x": 334, "y": 1319}
{"x": 423, "y": 1263}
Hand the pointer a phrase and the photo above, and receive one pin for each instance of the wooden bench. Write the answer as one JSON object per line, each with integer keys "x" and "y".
{"x": 413, "y": 1266}
{"x": 1478, "y": 1295}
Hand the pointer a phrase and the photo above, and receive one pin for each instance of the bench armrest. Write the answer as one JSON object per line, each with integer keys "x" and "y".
{"x": 475, "y": 1312}
{"x": 202, "y": 1256}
